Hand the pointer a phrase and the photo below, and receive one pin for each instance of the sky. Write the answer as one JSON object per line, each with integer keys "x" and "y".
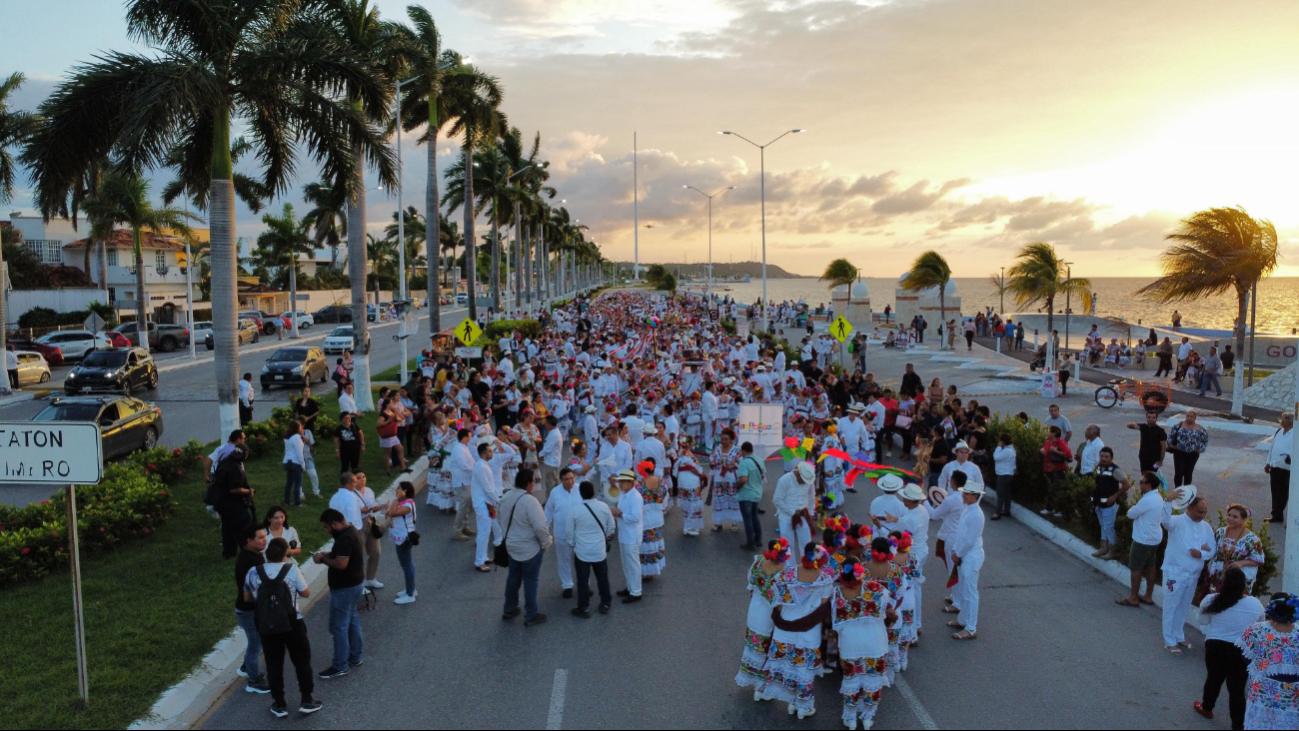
{"x": 969, "y": 127}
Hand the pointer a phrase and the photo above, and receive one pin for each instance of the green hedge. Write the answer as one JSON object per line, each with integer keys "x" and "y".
{"x": 505, "y": 328}
{"x": 131, "y": 502}
{"x": 46, "y": 317}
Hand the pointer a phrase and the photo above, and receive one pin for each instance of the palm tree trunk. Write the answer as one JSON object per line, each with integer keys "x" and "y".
{"x": 1238, "y": 378}
{"x": 942, "y": 315}
{"x": 357, "y": 267}
{"x": 518, "y": 259}
{"x": 496, "y": 259}
{"x": 525, "y": 261}
{"x": 543, "y": 278}
{"x": 293, "y": 295}
{"x": 103, "y": 269}
{"x": 141, "y": 301}
{"x": 432, "y": 204}
{"x": 1050, "y": 315}
{"x": 471, "y": 251}
{"x": 223, "y": 269}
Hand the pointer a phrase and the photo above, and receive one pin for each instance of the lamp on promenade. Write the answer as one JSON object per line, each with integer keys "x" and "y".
{"x": 710, "y": 233}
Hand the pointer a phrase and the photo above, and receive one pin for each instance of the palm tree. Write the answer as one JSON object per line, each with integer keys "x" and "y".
{"x": 382, "y": 255}
{"x": 1215, "y": 251}
{"x": 15, "y": 128}
{"x": 266, "y": 61}
{"x": 448, "y": 239}
{"x": 840, "y": 272}
{"x": 1039, "y": 275}
{"x": 1002, "y": 285}
{"x": 123, "y": 198}
{"x": 415, "y": 229}
{"x": 328, "y": 216}
{"x": 280, "y": 245}
{"x": 930, "y": 269}
{"x": 654, "y": 275}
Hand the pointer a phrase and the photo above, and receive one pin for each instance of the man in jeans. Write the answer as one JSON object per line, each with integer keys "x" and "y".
{"x": 1212, "y": 369}
{"x": 346, "y": 564}
{"x": 295, "y": 641}
{"x": 254, "y": 542}
{"x": 749, "y": 483}
{"x": 526, "y": 540}
{"x": 590, "y": 525}
{"x": 1111, "y": 485}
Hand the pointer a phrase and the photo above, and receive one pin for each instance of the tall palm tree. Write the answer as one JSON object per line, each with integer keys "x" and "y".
{"x": 1216, "y": 251}
{"x": 1039, "y": 275}
{"x": 382, "y": 255}
{"x": 414, "y": 228}
{"x": 280, "y": 246}
{"x": 840, "y": 272}
{"x": 449, "y": 238}
{"x": 15, "y": 128}
{"x": 328, "y": 216}
{"x": 930, "y": 269}
{"x": 267, "y": 63}
{"x": 1002, "y": 285}
{"x": 123, "y": 198}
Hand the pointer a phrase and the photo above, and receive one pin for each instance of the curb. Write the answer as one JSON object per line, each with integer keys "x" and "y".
{"x": 186, "y": 703}
{"x": 259, "y": 348}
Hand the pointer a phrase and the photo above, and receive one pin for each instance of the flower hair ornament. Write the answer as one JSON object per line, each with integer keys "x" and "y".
{"x": 645, "y": 469}
{"x": 858, "y": 536}
{"x": 815, "y": 557}
{"x": 852, "y": 573}
{"x": 778, "y": 551}
{"x": 1283, "y": 608}
{"x": 839, "y": 523}
{"x": 879, "y": 557}
{"x": 903, "y": 542}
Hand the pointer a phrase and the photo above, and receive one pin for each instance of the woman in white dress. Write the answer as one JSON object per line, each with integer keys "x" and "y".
{"x": 441, "y": 494}
{"x": 862, "y": 614}
{"x": 722, "y": 465}
{"x": 757, "y": 637}
{"x": 654, "y": 493}
{"x": 794, "y": 661}
{"x": 690, "y": 488}
{"x": 908, "y": 607}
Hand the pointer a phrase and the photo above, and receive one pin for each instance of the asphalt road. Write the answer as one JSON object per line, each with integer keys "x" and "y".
{"x": 1054, "y": 651}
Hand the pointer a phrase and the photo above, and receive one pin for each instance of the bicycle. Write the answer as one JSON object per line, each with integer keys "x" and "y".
{"x": 1154, "y": 397}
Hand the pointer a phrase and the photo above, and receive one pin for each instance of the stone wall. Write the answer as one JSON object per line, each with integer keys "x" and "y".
{"x": 1277, "y": 391}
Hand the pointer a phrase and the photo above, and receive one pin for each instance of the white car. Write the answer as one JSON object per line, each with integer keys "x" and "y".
{"x": 305, "y": 320}
{"x": 201, "y": 328}
{"x": 76, "y": 344}
{"x": 32, "y": 368}
{"x": 339, "y": 340}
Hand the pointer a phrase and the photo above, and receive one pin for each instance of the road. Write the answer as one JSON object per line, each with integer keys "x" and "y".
{"x": 1054, "y": 651}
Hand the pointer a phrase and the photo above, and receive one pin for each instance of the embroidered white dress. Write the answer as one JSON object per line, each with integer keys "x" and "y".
{"x": 858, "y": 619}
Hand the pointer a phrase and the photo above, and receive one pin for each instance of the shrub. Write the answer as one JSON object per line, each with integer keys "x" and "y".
{"x": 505, "y": 328}
{"x": 168, "y": 465}
{"x": 1027, "y": 438}
{"x": 46, "y": 317}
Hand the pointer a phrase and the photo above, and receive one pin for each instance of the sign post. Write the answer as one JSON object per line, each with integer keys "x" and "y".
{"x": 57, "y": 453}
{"x": 840, "y": 329}
{"x": 468, "y": 331}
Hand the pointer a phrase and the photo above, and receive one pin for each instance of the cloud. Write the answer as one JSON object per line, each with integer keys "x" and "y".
{"x": 918, "y": 197}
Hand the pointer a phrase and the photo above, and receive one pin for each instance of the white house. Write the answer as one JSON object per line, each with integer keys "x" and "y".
{"x": 164, "y": 262}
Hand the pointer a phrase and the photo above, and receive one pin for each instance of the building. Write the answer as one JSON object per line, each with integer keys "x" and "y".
{"x": 926, "y": 303}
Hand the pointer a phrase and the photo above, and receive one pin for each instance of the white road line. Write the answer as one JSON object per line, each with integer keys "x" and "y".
{"x": 555, "y": 720}
{"x": 922, "y": 716}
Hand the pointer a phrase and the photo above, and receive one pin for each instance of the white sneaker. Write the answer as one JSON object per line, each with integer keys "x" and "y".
{"x": 373, "y": 585}
{"x": 403, "y": 599}
{"x": 1044, "y": 512}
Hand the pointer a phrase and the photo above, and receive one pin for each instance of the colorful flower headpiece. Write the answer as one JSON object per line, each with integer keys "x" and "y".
{"x": 778, "y": 551}
{"x": 839, "y": 523}
{"x": 575, "y": 443}
{"x": 859, "y": 535}
{"x": 852, "y": 573}
{"x": 645, "y": 469}
{"x": 1283, "y": 609}
{"x": 902, "y": 543}
{"x": 815, "y": 557}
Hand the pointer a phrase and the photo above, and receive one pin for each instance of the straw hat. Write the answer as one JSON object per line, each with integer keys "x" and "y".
{"x": 912, "y": 492}
{"x": 961, "y": 445}
{"x": 627, "y": 475}
{"x": 973, "y": 488}
{"x": 889, "y": 483}
{"x": 807, "y": 471}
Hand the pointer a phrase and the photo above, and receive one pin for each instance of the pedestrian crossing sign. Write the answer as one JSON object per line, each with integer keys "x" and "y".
{"x": 468, "y": 331}
{"x": 841, "y": 328}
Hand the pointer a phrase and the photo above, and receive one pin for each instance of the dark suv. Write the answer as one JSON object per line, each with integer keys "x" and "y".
{"x": 295, "y": 367}
{"x": 125, "y": 424}
{"x": 124, "y": 369}
{"x": 333, "y": 313}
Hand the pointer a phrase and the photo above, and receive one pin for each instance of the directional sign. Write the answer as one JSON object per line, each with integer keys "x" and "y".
{"x": 468, "y": 331}
{"x": 94, "y": 323}
{"x": 469, "y": 352}
{"x": 50, "y": 452}
{"x": 841, "y": 328}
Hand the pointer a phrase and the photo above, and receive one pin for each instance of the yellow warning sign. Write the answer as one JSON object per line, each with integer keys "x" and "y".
{"x": 841, "y": 328}
{"x": 468, "y": 331}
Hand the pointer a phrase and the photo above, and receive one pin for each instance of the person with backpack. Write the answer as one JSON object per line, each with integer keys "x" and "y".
{"x": 401, "y": 517}
{"x": 254, "y": 542}
{"x": 273, "y": 588}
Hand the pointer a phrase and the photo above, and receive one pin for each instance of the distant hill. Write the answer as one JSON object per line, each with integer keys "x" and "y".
{"x": 737, "y": 269}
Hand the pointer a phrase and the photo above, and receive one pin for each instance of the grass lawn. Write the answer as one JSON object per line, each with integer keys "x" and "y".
{"x": 391, "y": 375}
{"x": 153, "y": 608}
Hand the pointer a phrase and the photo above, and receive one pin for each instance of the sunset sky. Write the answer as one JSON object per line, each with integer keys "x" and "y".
{"x": 966, "y": 126}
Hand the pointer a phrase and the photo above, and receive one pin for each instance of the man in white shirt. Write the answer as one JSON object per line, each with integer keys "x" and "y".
{"x": 460, "y": 463}
{"x": 967, "y": 555}
{"x": 1278, "y": 467}
{"x": 615, "y": 457}
{"x": 1147, "y": 533}
{"x": 347, "y": 402}
{"x": 1090, "y": 454}
{"x": 852, "y": 431}
{"x": 916, "y": 522}
{"x": 590, "y": 430}
{"x": 590, "y": 525}
{"x": 630, "y": 513}
{"x": 795, "y": 499}
{"x": 961, "y": 464}
{"x": 485, "y": 498}
{"x": 949, "y": 511}
{"x": 651, "y": 446}
{"x": 559, "y": 506}
{"x": 710, "y": 414}
{"x": 552, "y": 448}
{"x": 1191, "y": 543}
{"x": 349, "y": 502}
{"x": 246, "y": 398}
{"x": 887, "y": 509}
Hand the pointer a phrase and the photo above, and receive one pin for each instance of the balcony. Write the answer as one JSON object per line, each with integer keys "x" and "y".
{"x": 120, "y": 276}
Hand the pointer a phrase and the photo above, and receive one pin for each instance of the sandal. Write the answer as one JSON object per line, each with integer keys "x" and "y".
{"x": 1127, "y": 602}
{"x": 955, "y": 624}
{"x": 484, "y": 568}
{"x": 1174, "y": 650}
{"x": 965, "y": 635}
{"x": 1148, "y": 602}
{"x": 1186, "y": 645}
{"x": 951, "y": 610}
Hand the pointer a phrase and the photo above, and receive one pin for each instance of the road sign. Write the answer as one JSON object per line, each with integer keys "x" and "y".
{"x": 840, "y": 329}
{"x": 468, "y": 331}
{"x": 94, "y": 323}
{"x": 469, "y": 352}
{"x": 50, "y": 452}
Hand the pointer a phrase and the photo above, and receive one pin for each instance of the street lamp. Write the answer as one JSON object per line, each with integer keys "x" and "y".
{"x": 710, "y": 233}
{"x": 762, "y": 157}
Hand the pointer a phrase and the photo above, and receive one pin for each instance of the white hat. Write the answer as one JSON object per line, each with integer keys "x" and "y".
{"x": 1188, "y": 496}
{"x": 855, "y": 409}
{"x": 912, "y": 492}
{"x": 973, "y": 488}
{"x": 589, "y": 409}
{"x": 807, "y": 471}
{"x": 889, "y": 483}
{"x": 627, "y": 475}
{"x": 960, "y": 445}
{"x": 488, "y": 440}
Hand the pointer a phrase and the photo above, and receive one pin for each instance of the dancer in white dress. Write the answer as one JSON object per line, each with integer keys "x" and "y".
{"x": 763, "y": 575}
{"x": 862, "y": 612}
{"x": 794, "y": 660}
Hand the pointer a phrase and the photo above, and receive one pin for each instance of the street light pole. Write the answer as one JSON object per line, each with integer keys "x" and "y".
{"x": 762, "y": 164}
{"x": 710, "y": 198}
{"x": 1002, "y": 290}
{"x": 1068, "y": 275}
{"x": 401, "y": 230}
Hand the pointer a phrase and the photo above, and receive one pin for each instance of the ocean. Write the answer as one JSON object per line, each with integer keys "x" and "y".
{"x": 1278, "y": 300}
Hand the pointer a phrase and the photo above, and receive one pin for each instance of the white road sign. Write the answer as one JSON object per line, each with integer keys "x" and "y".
{"x": 53, "y": 452}
{"x": 469, "y": 352}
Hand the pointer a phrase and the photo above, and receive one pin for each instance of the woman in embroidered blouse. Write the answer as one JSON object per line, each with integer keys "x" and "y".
{"x": 861, "y": 615}
{"x": 578, "y": 461}
{"x": 1272, "y": 649}
{"x": 441, "y": 494}
{"x": 722, "y": 466}
{"x": 690, "y": 488}
{"x": 907, "y": 606}
{"x": 652, "y": 560}
{"x": 878, "y": 560}
{"x": 1237, "y": 546}
{"x": 1187, "y": 441}
{"x": 757, "y": 638}
{"x": 801, "y": 603}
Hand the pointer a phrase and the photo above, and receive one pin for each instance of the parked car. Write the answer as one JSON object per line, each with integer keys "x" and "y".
{"x": 248, "y": 332}
{"x": 343, "y": 338}
{"x": 32, "y": 367}
{"x": 125, "y": 424}
{"x": 305, "y": 320}
{"x": 117, "y": 339}
{"x": 166, "y": 338}
{"x": 371, "y": 313}
{"x": 113, "y": 370}
{"x": 52, "y": 353}
{"x": 295, "y": 367}
{"x": 462, "y": 298}
{"x": 333, "y": 313}
{"x": 75, "y": 344}
{"x": 201, "y": 328}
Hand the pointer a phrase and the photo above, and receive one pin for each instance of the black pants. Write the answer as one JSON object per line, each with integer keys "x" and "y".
{"x": 1165, "y": 366}
{"x": 235, "y": 519}
{"x": 245, "y": 414}
{"x": 1225, "y": 662}
{"x": 969, "y": 341}
{"x": 349, "y": 459}
{"x": 299, "y": 649}
{"x": 1184, "y": 467}
{"x": 13, "y": 378}
{"x": 1280, "y": 493}
{"x": 584, "y": 570}
{"x": 1064, "y": 382}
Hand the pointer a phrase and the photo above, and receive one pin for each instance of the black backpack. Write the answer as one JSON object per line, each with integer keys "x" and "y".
{"x": 275, "y": 612}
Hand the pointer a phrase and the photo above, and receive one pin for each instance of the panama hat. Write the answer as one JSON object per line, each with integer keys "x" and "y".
{"x": 937, "y": 495}
{"x": 960, "y": 445}
{"x": 807, "y": 471}
{"x": 628, "y": 475}
{"x": 973, "y": 488}
{"x": 889, "y": 483}
{"x": 912, "y": 492}
{"x": 590, "y": 409}
{"x": 1188, "y": 496}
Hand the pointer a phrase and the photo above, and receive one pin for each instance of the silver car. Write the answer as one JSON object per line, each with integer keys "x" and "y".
{"x": 32, "y": 368}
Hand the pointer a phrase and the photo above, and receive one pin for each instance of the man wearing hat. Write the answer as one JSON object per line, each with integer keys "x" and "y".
{"x": 590, "y": 428}
{"x": 962, "y": 464}
{"x": 967, "y": 555}
{"x": 709, "y": 409}
{"x": 630, "y": 512}
{"x": 852, "y": 432}
{"x": 794, "y": 498}
{"x": 916, "y": 522}
{"x": 1191, "y": 544}
{"x": 887, "y": 509}
{"x": 651, "y": 446}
